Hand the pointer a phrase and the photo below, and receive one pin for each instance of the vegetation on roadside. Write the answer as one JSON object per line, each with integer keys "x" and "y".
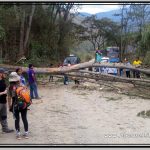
{"x": 47, "y": 33}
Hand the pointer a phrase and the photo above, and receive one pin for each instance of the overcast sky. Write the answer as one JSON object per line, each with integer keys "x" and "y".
{"x": 92, "y": 9}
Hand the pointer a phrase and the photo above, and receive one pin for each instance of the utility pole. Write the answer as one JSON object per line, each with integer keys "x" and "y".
{"x": 121, "y": 31}
{"x": 121, "y": 48}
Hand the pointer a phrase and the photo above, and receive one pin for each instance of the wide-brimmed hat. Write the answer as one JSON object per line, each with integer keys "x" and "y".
{"x": 14, "y": 77}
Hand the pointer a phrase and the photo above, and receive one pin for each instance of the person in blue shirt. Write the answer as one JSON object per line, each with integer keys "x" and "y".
{"x": 121, "y": 70}
{"x": 66, "y": 79}
{"x": 22, "y": 79}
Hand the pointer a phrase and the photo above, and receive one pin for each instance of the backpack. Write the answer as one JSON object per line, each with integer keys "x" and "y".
{"x": 23, "y": 96}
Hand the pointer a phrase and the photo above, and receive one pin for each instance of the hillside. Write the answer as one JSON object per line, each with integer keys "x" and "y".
{"x": 86, "y": 46}
{"x": 108, "y": 14}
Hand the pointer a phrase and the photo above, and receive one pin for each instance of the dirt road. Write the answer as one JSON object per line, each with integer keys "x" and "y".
{"x": 67, "y": 115}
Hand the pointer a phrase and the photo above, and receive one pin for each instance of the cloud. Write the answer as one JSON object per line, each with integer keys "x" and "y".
{"x": 92, "y": 9}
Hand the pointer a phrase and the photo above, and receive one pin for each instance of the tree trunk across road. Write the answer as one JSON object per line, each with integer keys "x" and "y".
{"x": 90, "y": 74}
{"x": 77, "y": 67}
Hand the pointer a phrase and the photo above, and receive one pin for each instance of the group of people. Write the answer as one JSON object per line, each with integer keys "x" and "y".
{"x": 114, "y": 71}
{"x": 136, "y": 63}
{"x": 9, "y": 95}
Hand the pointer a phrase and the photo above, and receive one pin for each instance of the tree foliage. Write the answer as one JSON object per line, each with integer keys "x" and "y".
{"x": 36, "y": 31}
{"x": 47, "y": 34}
{"x": 101, "y": 32}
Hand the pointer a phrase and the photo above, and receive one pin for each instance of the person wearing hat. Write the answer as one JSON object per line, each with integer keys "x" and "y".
{"x": 3, "y": 102}
{"x": 14, "y": 80}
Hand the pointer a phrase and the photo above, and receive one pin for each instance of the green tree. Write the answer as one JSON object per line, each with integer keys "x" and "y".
{"x": 45, "y": 32}
{"x": 102, "y": 32}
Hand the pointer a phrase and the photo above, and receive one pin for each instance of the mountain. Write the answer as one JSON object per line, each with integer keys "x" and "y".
{"x": 113, "y": 15}
{"x": 85, "y": 46}
{"x": 84, "y": 14}
{"x": 108, "y": 14}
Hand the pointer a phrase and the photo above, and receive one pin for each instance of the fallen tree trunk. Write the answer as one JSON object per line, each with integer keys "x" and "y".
{"x": 107, "y": 77}
{"x": 77, "y": 67}
{"x": 114, "y": 77}
{"x": 92, "y": 75}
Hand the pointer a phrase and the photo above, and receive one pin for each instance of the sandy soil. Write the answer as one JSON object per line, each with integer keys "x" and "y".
{"x": 67, "y": 115}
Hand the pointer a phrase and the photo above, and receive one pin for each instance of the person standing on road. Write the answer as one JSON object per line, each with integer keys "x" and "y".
{"x": 51, "y": 76}
{"x": 121, "y": 70}
{"x": 127, "y": 63}
{"x": 22, "y": 79}
{"x": 98, "y": 56}
{"x": 32, "y": 83}
{"x": 3, "y": 103}
{"x": 14, "y": 80}
{"x": 137, "y": 62}
{"x": 66, "y": 79}
{"x": 98, "y": 59}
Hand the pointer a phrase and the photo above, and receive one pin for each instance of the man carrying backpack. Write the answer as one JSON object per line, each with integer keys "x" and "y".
{"x": 3, "y": 103}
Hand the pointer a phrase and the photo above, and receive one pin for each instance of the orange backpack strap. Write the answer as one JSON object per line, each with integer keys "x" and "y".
{"x": 19, "y": 89}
